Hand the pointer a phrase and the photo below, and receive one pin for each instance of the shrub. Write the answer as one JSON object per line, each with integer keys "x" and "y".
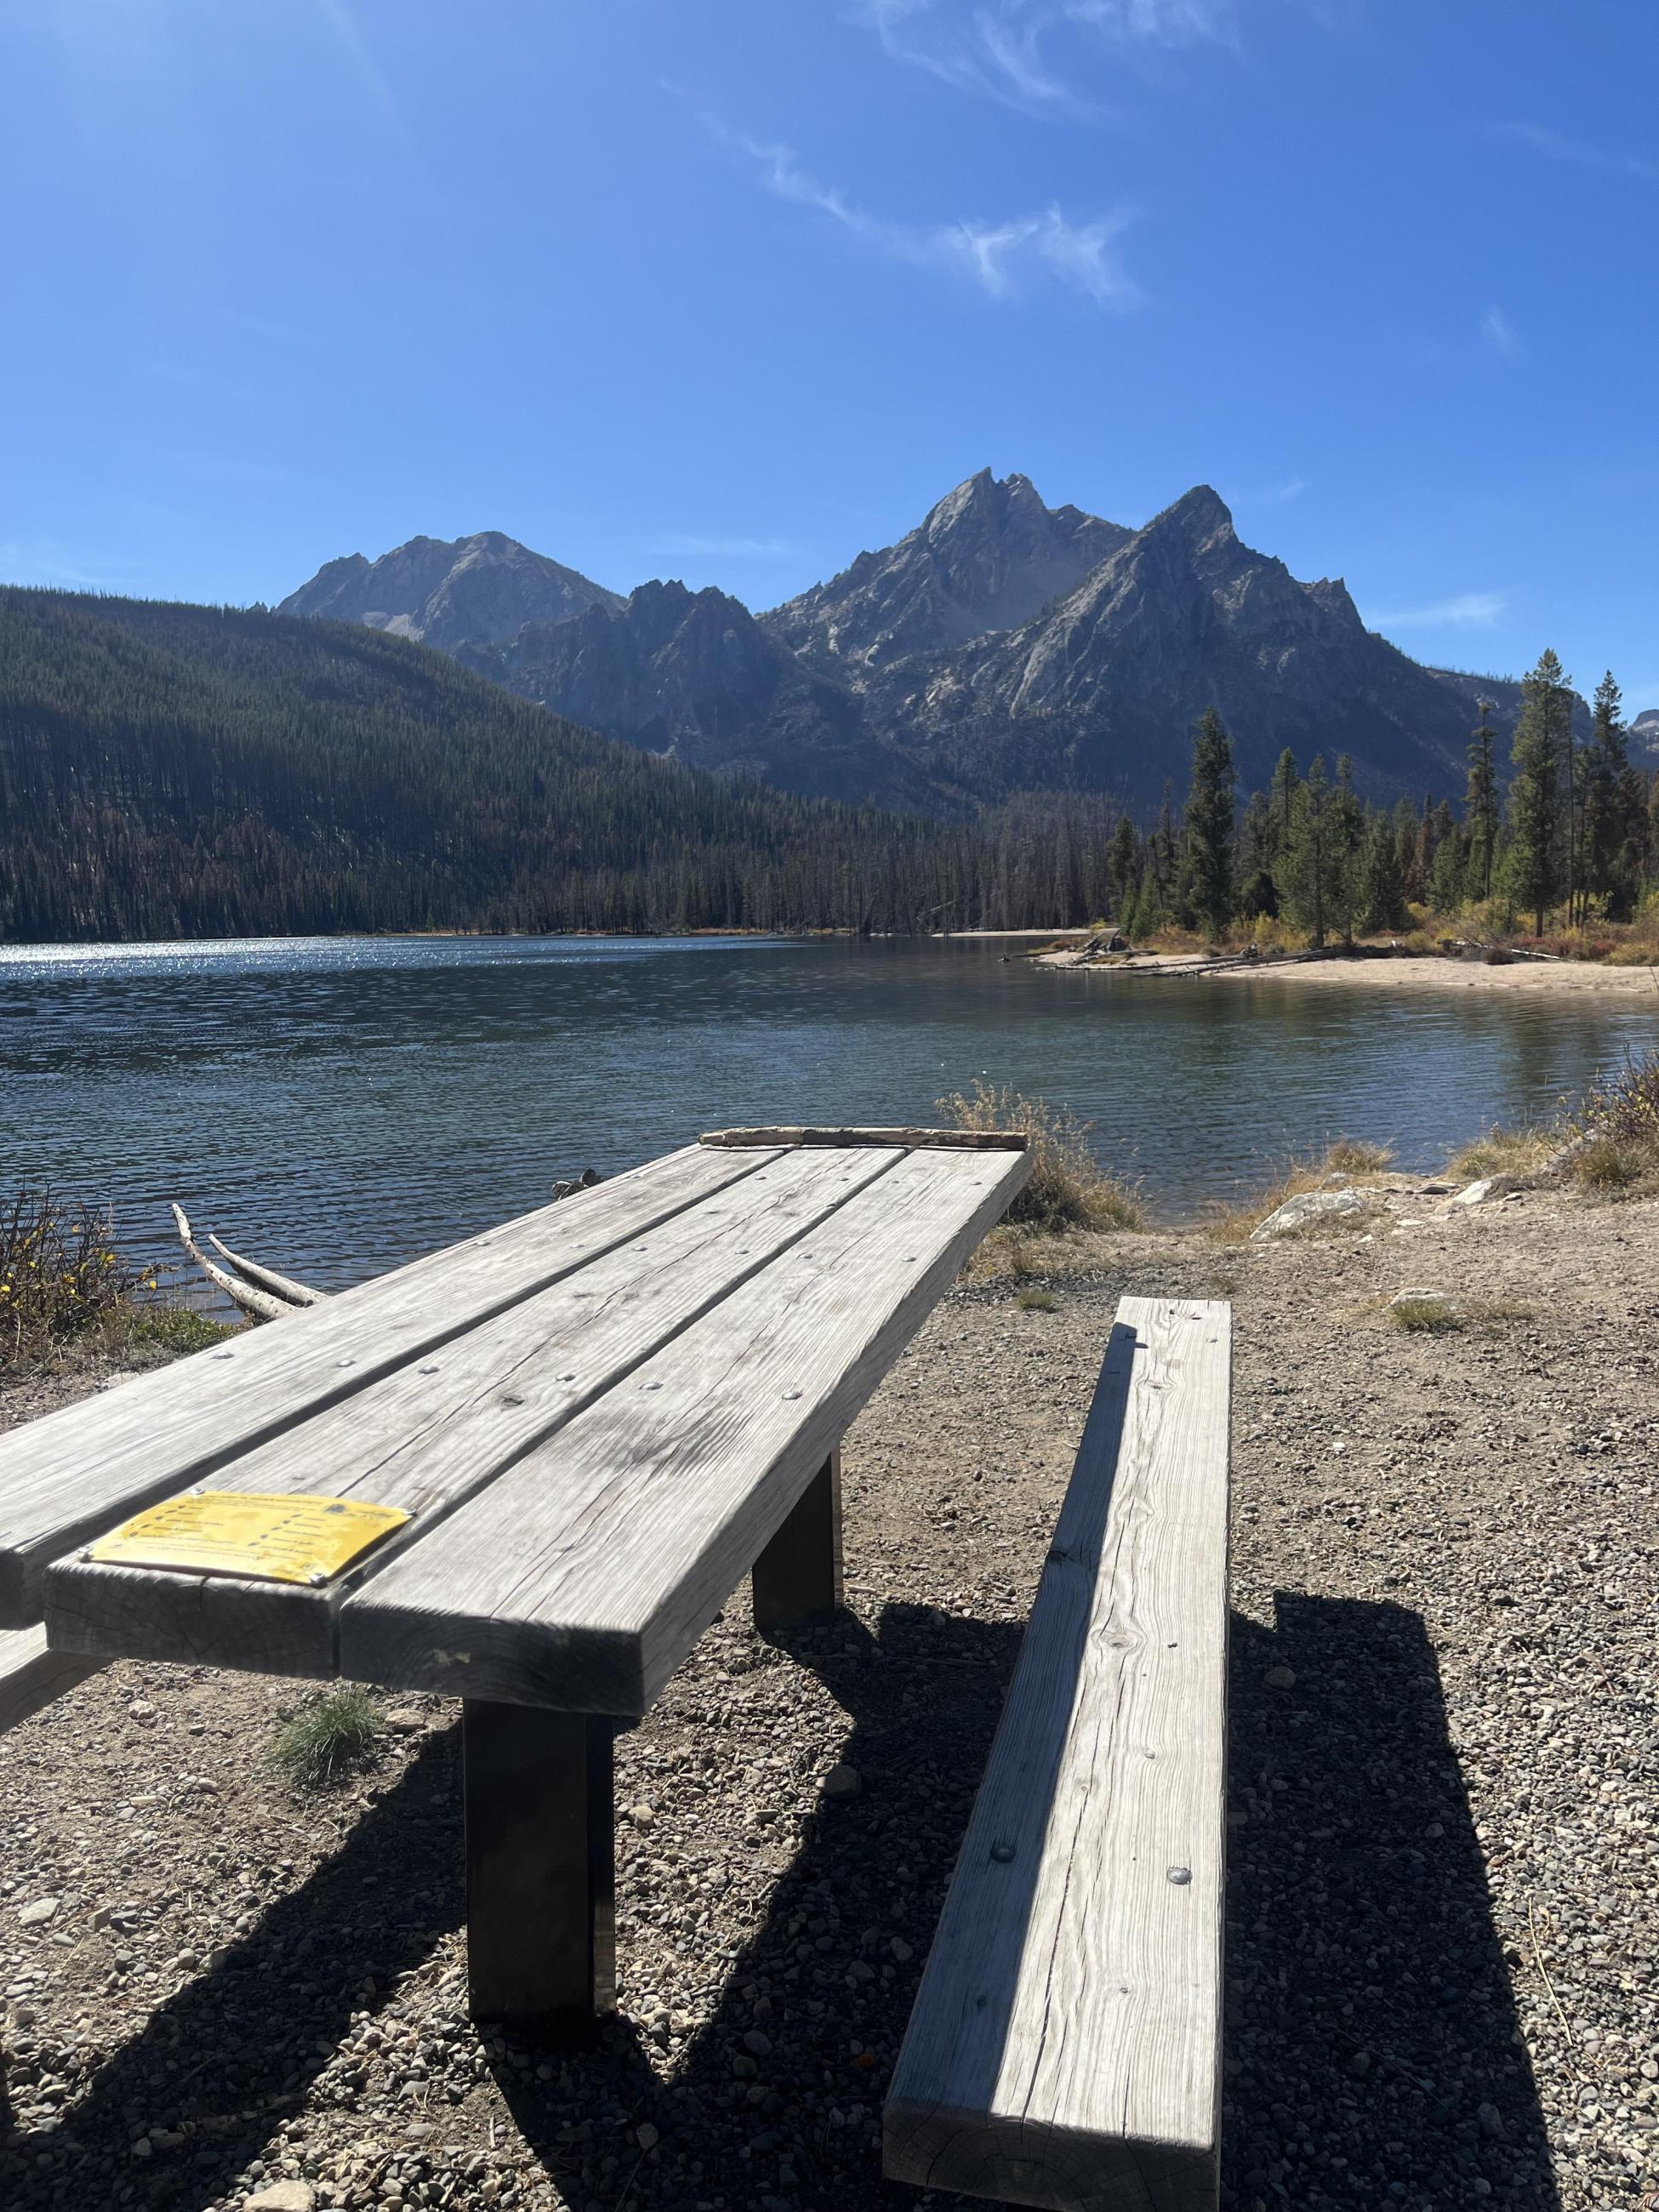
{"x": 1605, "y": 1164}
{"x": 1067, "y": 1187}
{"x": 1502, "y": 1151}
{"x": 60, "y": 1273}
{"x": 329, "y": 1738}
{"x": 1625, "y": 1106}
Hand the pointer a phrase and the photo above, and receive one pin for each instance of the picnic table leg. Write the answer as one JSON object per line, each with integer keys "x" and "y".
{"x": 540, "y": 1866}
{"x": 799, "y": 1573}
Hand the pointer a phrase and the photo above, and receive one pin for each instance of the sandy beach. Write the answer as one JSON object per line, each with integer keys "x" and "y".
{"x": 1404, "y": 972}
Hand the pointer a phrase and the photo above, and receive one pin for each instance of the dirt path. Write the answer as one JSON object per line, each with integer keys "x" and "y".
{"x": 1444, "y": 1858}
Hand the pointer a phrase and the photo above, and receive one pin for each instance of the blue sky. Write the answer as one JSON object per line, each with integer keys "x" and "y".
{"x": 728, "y": 289}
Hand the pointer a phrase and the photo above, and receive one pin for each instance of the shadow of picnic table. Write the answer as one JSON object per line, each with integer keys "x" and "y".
{"x": 1372, "y": 2048}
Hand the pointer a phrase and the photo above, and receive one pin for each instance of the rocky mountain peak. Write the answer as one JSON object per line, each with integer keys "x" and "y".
{"x": 448, "y": 591}
{"x": 985, "y": 558}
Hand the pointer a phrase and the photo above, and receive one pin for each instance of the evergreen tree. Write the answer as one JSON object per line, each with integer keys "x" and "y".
{"x": 1347, "y": 831}
{"x": 1125, "y": 867}
{"x": 1381, "y": 897}
{"x": 1481, "y": 804}
{"x": 1542, "y": 737}
{"x": 1308, "y": 859}
{"x": 1208, "y": 857}
{"x": 1447, "y": 879}
{"x": 1607, "y": 869}
{"x": 1281, "y": 804}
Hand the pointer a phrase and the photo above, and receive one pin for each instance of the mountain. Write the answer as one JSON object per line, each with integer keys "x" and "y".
{"x": 181, "y": 771}
{"x": 448, "y": 593}
{"x": 987, "y": 557}
{"x": 1644, "y": 737}
{"x": 1002, "y": 646}
{"x": 694, "y": 674}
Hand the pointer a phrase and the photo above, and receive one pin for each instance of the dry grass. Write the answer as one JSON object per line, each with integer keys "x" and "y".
{"x": 1350, "y": 1158}
{"x": 67, "y": 1293}
{"x": 1035, "y": 1299}
{"x": 1426, "y": 1316}
{"x": 1068, "y": 1189}
{"x": 1503, "y": 1151}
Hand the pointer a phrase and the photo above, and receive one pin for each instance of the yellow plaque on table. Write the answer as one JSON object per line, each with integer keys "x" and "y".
{"x": 267, "y": 1536}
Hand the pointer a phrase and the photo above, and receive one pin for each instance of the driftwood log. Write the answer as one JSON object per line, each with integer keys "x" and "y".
{"x": 265, "y": 1295}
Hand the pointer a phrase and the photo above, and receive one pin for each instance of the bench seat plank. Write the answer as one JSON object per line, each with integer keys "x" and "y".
{"x": 73, "y": 1473}
{"x": 430, "y": 1436}
{"x": 32, "y": 1676}
{"x": 1064, "y": 2048}
{"x": 581, "y": 1577}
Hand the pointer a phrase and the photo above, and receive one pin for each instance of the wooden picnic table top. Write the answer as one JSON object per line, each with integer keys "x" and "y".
{"x": 597, "y": 1415}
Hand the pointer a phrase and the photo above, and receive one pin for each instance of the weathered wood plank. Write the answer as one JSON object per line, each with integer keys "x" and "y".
{"x": 962, "y": 1140}
{"x": 427, "y": 1437}
{"x": 1065, "y": 2046}
{"x": 31, "y": 1676}
{"x": 71, "y": 1474}
{"x": 581, "y": 1577}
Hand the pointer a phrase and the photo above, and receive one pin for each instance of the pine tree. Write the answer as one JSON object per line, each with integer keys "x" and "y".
{"x": 1281, "y": 804}
{"x": 1308, "y": 857}
{"x": 1347, "y": 831}
{"x": 1382, "y": 900}
{"x": 1542, "y": 737}
{"x": 1606, "y": 802}
{"x": 1124, "y": 864}
{"x": 1207, "y": 861}
{"x": 1448, "y": 880}
{"x": 1481, "y": 804}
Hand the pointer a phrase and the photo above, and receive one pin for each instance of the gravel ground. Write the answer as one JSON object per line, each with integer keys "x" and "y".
{"x": 1443, "y": 1904}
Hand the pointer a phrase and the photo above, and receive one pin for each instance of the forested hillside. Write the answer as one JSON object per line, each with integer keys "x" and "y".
{"x": 180, "y": 771}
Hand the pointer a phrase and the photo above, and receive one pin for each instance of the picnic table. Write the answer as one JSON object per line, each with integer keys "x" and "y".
{"x": 586, "y": 1426}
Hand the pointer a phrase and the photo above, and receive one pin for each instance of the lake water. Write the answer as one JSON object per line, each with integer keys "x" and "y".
{"x": 334, "y": 1105}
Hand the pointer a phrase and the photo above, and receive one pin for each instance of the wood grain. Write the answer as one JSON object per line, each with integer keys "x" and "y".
{"x": 580, "y": 1578}
{"x": 425, "y": 1438}
{"x": 71, "y": 1474}
{"x": 32, "y": 1676}
{"x": 963, "y": 1141}
{"x": 1065, "y": 2046}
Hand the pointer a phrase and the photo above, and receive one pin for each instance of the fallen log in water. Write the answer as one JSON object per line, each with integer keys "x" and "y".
{"x": 260, "y": 1291}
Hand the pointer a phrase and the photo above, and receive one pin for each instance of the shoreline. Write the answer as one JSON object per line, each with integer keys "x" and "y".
{"x": 1400, "y": 971}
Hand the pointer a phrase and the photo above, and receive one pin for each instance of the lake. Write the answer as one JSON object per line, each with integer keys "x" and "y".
{"x": 333, "y": 1105}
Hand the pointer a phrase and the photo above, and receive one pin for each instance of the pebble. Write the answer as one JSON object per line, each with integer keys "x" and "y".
{"x": 842, "y": 1781}
{"x": 37, "y": 1914}
{"x": 1280, "y": 1678}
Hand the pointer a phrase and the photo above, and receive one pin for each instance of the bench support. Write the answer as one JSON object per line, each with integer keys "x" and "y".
{"x": 799, "y": 1573}
{"x": 540, "y": 1867}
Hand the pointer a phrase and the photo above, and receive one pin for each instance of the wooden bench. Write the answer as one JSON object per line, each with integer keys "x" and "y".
{"x": 32, "y": 1674}
{"x": 599, "y": 1417}
{"x": 1065, "y": 2046}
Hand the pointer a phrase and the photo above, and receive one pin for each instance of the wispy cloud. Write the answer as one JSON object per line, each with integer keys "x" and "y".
{"x": 1468, "y": 611}
{"x": 1556, "y": 146}
{"x": 1000, "y": 258}
{"x": 347, "y": 34}
{"x": 999, "y": 48}
{"x": 722, "y": 549}
{"x": 1498, "y": 331}
{"x": 1292, "y": 487}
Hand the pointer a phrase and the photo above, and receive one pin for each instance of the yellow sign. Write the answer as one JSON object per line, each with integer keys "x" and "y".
{"x": 268, "y": 1536}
